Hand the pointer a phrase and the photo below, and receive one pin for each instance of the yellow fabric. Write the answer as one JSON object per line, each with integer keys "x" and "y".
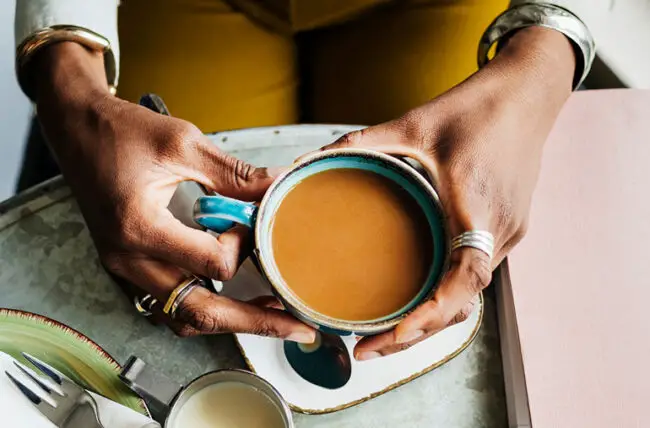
{"x": 299, "y": 15}
{"x": 223, "y": 66}
{"x": 211, "y": 65}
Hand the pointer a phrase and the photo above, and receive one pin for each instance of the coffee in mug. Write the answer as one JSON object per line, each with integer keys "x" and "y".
{"x": 352, "y": 244}
{"x": 350, "y": 240}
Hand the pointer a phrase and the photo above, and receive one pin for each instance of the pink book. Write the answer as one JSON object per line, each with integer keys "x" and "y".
{"x": 574, "y": 296}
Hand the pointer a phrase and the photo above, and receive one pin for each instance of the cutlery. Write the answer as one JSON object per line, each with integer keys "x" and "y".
{"x": 325, "y": 363}
{"x": 66, "y": 401}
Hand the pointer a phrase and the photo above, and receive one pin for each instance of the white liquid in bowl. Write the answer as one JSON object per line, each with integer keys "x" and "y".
{"x": 228, "y": 405}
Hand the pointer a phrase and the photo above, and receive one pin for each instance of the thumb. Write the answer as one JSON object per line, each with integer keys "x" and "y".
{"x": 233, "y": 177}
{"x": 390, "y": 138}
{"x": 380, "y": 137}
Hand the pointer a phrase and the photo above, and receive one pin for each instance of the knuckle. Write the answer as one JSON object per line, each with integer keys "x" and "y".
{"x": 263, "y": 327}
{"x": 220, "y": 268}
{"x": 351, "y": 139}
{"x": 184, "y": 330}
{"x": 402, "y": 347}
{"x": 478, "y": 272}
{"x": 203, "y": 315}
{"x": 180, "y": 140}
{"x": 521, "y": 231}
{"x": 191, "y": 131}
{"x": 435, "y": 315}
{"x": 185, "y": 132}
{"x": 462, "y": 315}
{"x": 244, "y": 172}
{"x": 114, "y": 263}
{"x": 201, "y": 320}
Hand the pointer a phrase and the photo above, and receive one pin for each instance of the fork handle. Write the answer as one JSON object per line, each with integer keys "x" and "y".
{"x": 84, "y": 416}
{"x": 157, "y": 389}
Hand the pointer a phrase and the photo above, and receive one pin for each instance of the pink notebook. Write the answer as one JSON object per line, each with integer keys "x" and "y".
{"x": 574, "y": 296}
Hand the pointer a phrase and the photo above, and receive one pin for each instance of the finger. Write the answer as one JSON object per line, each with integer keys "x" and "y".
{"x": 267, "y": 302}
{"x": 390, "y": 138}
{"x": 203, "y": 312}
{"x": 184, "y": 329}
{"x": 141, "y": 275}
{"x": 378, "y": 137}
{"x": 230, "y": 176}
{"x": 195, "y": 250}
{"x": 463, "y": 314}
{"x": 382, "y": 345}
{"x": 469, "y": 273}
{"x": 210, "y": 314}
{"x": 133, "y": 292}
{"x": 386, "y": 343}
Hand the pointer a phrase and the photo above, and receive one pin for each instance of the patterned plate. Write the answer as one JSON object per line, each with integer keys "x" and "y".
{"x": 67, "y": 350}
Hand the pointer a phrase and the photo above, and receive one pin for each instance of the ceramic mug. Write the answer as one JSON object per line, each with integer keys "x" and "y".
{"x": 219, "y": 213}
{"x": 166, "y": 398}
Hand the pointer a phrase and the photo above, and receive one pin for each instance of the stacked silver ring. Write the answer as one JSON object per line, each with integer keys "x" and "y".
{"x": 144, "y": 305}
{"x": 480, "y": 239}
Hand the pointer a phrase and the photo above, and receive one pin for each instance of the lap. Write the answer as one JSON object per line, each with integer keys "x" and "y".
{"x": 210, "y": 63}
{"x": 389, "y": 61}
{"x": 218, "y": 69}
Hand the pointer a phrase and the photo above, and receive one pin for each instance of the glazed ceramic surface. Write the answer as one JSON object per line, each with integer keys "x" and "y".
{"x": 369, "y": 379}
{"x": 67, "y": 350}
{"x": 218, "y": 213}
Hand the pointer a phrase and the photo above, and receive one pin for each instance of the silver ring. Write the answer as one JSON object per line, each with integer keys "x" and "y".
{"x": 482, "y": 240}
{"x": 144, "y": 305}
{"x": 179, "y": 293}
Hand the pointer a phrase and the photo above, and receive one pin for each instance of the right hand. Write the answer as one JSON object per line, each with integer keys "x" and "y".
{"x": 123, "y": 163}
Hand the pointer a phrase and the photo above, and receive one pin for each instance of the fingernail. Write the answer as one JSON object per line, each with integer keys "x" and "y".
{"x": 302, "y": 337}
{"x": 369, "y": 355}
{"x": 409, "y": 336}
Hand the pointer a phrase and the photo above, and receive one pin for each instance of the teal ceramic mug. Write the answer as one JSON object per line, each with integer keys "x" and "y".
{"x": 219, "y": 213}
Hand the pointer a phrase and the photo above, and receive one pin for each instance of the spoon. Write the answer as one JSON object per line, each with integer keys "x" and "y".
{"x": 326, "y": 362}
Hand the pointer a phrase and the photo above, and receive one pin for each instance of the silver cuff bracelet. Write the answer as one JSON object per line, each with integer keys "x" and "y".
{"x": 542, "y": 15}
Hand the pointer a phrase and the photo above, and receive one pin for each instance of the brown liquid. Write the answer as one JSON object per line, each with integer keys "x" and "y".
{"x": 352, "y": 244}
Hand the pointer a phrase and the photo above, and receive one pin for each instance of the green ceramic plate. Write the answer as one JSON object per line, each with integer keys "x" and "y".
{"x": 67, "y": 350}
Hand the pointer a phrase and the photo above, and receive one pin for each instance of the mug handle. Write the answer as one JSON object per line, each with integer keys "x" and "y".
{"x": 219, "y": 213}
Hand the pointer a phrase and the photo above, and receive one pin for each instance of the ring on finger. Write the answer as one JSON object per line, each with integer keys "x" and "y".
{"x": 482, "y": 240}
{"x": 179, "y": 294}
{"x": 144, "y": 305}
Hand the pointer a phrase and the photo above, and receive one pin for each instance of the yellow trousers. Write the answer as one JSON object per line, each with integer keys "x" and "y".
{"x": 222, "y": 64}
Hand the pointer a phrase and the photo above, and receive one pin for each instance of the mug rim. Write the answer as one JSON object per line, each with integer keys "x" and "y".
{"x": 304, "y": 311}
{"x": 284, "y": 406}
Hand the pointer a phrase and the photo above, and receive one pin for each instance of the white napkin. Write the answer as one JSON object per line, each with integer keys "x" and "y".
{"x": 17, "y": 411}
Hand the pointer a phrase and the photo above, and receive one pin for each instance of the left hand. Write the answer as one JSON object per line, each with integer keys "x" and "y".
{"x": 481, "y": 144}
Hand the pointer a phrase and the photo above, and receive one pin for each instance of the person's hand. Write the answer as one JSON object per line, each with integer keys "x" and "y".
{"x": 481, "y": 143}
{"x": 123, "y": 163}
